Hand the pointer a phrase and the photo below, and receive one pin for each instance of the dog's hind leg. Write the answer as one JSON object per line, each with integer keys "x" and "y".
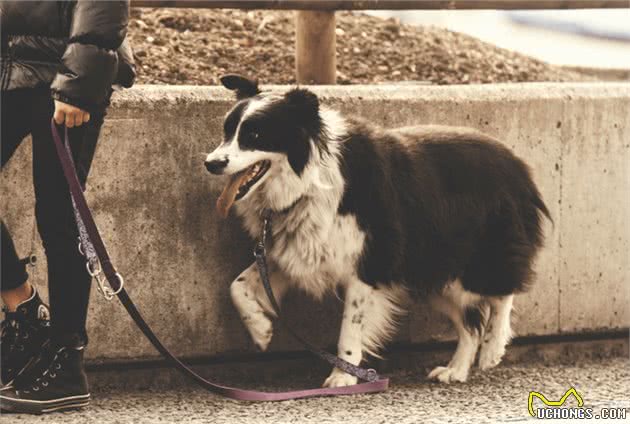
{"x": 368, "y": 322}
{"x": 464, "y": 310}
{"x": 250, "y": 299}
{"x": 498, "y": 332}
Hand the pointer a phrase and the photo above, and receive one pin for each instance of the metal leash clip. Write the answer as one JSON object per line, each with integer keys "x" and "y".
{"x": 260, "y": 248}
{"x": 371, "y": 375}
{"x": 105, "y": 290}
{"x": 96, "y": 272}
{"x": 32, "y": 260}
{"x": 93, "y": 267}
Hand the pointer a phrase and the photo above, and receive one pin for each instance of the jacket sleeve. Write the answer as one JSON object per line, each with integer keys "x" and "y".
{"x": 90, "y": 62}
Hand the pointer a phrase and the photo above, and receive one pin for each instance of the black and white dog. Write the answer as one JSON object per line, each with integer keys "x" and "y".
{"x": 444, "y": 212}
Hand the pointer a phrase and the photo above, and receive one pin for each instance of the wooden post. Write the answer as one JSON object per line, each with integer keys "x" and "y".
{"x": 315, "y": 47}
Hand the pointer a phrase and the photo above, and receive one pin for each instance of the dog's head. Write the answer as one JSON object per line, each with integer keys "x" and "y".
{"x": 263, "y": 132}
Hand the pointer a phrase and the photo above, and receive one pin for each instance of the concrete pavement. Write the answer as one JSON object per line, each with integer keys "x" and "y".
{"x": 499, "y": 395}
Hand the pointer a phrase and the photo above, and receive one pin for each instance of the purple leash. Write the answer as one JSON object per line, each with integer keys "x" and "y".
{"x": 100, "y": 268}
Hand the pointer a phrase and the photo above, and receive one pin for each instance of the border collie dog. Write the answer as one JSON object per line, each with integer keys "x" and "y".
{"x": 446, "y": 213}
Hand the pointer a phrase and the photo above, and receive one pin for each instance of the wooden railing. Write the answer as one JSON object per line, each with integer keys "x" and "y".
{"x": 384, "y": 4}
{"x": 315, "y": 44}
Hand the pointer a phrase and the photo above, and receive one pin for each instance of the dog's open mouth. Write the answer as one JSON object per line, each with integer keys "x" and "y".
{"x": 239, "y": 185}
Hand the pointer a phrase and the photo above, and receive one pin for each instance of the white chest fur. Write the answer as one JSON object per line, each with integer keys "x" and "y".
{"x": 317, "y": 259}
{"x": 312, "y": 244}
{"x": 315, "y": 246}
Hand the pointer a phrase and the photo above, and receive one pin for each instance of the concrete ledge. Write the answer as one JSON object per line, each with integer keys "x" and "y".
{"x": 247, "y": 370}
{"x": 154, "y": 203}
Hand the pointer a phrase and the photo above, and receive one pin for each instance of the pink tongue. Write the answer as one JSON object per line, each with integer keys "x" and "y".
{"x": 228, "y": 196}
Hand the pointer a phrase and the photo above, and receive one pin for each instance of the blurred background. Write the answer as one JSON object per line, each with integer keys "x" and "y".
{"x": 195, "y": 46}
{"x": 585, "y": 38}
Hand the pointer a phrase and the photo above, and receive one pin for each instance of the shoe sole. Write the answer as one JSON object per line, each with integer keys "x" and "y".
{"x": 10, "y": 404}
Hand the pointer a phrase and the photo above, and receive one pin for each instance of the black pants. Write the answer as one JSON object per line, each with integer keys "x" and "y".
{"x": 29, "y": 111}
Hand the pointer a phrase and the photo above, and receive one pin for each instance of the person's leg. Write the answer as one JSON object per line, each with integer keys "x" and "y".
{"x": 56, "y": 380}
{"x": 25, "y": 328}
{"x": 68, "y": 280}
{"x": 14, "y": 127}
{"x": 15, "y": 287}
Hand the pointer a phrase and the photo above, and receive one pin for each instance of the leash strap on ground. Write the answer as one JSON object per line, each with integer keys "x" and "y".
{"x": 99, "y": 264}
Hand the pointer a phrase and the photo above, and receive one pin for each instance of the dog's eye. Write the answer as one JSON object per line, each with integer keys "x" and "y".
{"x": 252, "y": 136}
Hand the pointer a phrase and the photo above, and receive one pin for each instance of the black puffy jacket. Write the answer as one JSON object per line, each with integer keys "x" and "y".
{"x": 78, "y": 48}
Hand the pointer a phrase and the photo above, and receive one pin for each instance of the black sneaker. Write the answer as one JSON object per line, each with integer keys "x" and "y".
{"x": 55, "y": 381}
{"x": 24, "y": 332}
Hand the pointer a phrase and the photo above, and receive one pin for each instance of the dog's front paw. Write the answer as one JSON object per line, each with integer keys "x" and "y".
{"x": 260, "y": 329}
{"x": 339, "y": 378}
{"x": 490, "y": 355}
{"x": 448, "y": 374}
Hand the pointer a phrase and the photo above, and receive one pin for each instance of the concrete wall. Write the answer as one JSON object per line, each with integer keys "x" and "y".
{"x": 154, "y": 203}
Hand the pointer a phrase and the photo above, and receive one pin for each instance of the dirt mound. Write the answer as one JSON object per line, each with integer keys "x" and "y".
{"x": 197, "y": 46}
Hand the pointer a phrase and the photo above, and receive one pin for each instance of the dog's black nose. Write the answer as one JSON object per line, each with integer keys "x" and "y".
{"x": 216, "y": 166}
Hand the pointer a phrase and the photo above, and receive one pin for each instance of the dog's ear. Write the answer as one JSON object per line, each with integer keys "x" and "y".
{"x": 298, "y": 154}
{"x": 304, "y": 111}
{"x": 244, "y": 87}
{"x": 304, "y": 102}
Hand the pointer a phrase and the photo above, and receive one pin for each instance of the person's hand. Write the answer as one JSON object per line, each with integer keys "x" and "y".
{"x": 72, "y": 116}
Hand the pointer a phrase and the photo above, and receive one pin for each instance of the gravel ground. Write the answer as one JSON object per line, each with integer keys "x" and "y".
{"x": 496, "y": 396}
{"x": 197, "y": 46}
